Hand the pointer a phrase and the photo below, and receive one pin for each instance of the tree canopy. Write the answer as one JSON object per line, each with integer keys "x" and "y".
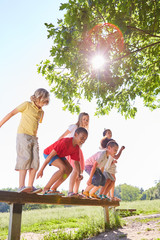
{"x": 130, "y": 193}
{"x": 126, "y": 34}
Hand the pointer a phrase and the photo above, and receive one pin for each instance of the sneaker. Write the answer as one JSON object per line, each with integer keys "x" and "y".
{"x": 93, "y": 195}
{"x": 86, "y": 194}
{"x": 79, "y": 195}
{"x": 72, "y": 194}
{"x": 35, "y": 190}
{"x": 53, "y": 192}
{"x": 24, "y": 189}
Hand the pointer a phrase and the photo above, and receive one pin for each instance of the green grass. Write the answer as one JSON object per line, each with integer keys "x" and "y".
{"x": 85, "y": 221}
{"x": 143, "y": 207}
{"x": 148, "y": 229}
{"x": 145, "y": 220}
{"x": 47, "y": 220}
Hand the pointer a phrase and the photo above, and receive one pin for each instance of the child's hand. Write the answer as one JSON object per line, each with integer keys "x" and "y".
{"x": 80, "y": 177}
{"x": 114, "y": 161}
{"x": 123, "y": 147}
{"x": 89, "y": 182}
{"x": 40, "y": 174}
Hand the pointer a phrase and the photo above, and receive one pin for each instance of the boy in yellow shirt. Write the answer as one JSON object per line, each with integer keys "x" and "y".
{"x": 27, "y": 141}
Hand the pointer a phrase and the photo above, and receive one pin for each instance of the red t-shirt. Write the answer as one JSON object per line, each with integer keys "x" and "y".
{"x": 64, "y": 147}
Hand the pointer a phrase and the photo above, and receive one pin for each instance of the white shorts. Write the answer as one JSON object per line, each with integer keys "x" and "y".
{"x": 108, "y": 176}
{"x": 27, "y": 152}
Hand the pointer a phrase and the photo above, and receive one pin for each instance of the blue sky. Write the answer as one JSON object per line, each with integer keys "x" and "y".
{"x": 23, "y": 44}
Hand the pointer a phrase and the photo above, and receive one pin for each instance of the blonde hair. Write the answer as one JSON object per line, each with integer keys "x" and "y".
{"x": 80, "y": 118}
{"x": 41, "y": 95}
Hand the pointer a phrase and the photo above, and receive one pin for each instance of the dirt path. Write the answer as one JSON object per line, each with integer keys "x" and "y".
{"x": 147, "y": 229}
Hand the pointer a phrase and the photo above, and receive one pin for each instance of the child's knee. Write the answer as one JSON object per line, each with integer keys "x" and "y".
{"x": 68, "y": 170}
{"x": 63, "y": 169}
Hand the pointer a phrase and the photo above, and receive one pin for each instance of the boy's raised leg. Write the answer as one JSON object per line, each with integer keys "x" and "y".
{"x": 64, "y": 175}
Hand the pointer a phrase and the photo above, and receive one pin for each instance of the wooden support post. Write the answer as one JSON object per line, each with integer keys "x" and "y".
{"x": 106, "y": 214}
{"x": 15, "y": 221}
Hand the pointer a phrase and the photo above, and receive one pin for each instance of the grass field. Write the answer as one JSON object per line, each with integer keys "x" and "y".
{"x": 143, "y": 207}
{"x": 86, "y": 221}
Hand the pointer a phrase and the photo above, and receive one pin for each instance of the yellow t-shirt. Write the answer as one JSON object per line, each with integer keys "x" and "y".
{"x": 31, "y": 116}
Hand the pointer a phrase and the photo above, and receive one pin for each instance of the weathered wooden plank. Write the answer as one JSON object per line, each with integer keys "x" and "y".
{"x": 15, "y": 221}
{"x": 22, "y": 198}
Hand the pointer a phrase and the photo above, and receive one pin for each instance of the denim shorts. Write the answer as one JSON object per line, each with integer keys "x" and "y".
{"x": 98, "y": 178}
{"x": 54, "y": 158}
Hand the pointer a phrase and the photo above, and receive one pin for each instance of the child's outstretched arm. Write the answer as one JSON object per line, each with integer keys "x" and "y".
{"x": 78, "y": 169}
{"x": 119, "y": 153}
{"x": 89, "y": 182}
{"x": 47, "y": 160}
{"x": 8, "y": 116}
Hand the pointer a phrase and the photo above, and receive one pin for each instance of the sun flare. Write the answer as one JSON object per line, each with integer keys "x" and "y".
{"x": 97, "y": 61}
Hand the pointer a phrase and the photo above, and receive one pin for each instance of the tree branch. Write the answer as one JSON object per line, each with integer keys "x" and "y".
{"x": 83, "y": 78}
{"x": 143, "y": 31}
{"x": 138, "y": 50}
{"x": 100, "y": 14}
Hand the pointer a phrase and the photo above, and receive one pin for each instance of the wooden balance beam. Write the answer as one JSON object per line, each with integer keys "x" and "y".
{"x": 17, "y": 200}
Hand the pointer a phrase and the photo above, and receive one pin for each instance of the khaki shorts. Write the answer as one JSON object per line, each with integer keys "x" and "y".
{"x": 27, "y": 152}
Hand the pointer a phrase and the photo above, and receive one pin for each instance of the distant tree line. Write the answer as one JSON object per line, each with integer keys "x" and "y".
{"x": 152, "y": 193}
{"x": 130, "y": 193}
{"x": 123, "y": 191}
